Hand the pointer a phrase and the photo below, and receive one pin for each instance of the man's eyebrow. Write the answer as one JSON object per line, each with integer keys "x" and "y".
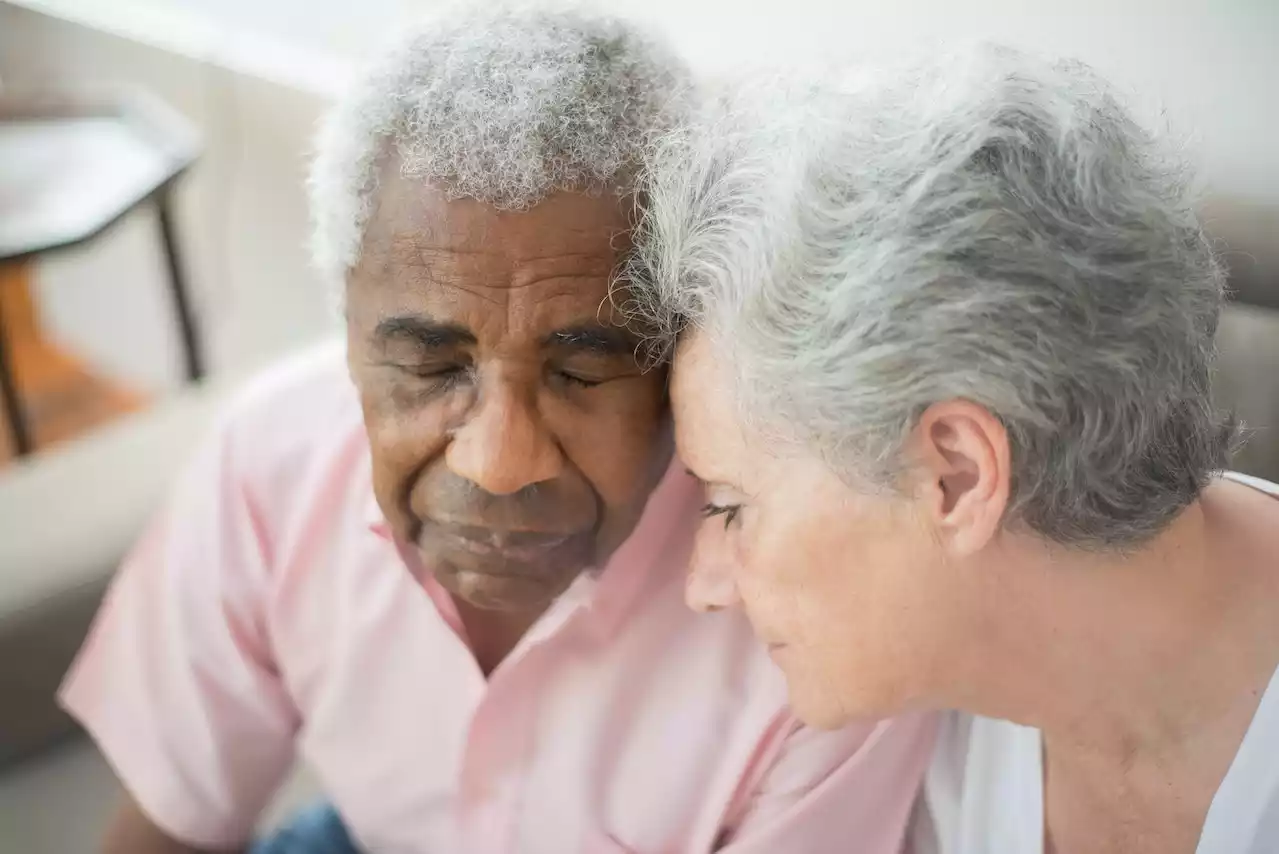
{"x": 603, "y": 340}
{"x": 423, "y": 330}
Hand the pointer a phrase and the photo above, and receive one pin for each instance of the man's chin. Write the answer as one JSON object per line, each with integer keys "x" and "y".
{"x": 494, "y": 591}
{"x": 519, "y": 578}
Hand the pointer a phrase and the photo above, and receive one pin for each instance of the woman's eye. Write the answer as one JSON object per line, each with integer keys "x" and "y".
{"x": 728, "y": 511}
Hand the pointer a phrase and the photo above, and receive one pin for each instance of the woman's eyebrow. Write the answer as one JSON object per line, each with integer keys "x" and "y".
{"x": 707, "y": 484}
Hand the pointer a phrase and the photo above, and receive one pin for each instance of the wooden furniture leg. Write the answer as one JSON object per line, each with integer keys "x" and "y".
{"x": 54, "y": 394}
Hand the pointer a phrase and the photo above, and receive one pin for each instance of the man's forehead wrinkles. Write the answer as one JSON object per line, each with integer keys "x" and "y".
{"x": 427, "y": 253}
{"x": 592, "y": 259}
{"x": 512, "y": 271}
{"x": 499, "y": 291}
{"x": 413, "y": 242}
{"x": 477, "y": 290}
{"x": 572, "y": 284}
{"x": 408, "y": 253}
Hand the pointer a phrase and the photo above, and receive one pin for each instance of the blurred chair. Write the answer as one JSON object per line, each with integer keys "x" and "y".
{"x": 70, "y": 168}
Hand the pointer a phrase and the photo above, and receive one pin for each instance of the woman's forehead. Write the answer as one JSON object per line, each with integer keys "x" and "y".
{"x": 709, "y": 434}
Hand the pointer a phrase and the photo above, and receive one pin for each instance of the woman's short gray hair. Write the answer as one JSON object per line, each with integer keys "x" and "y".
{"x": 985, "y": 226}
{"x": 504, "y": 104}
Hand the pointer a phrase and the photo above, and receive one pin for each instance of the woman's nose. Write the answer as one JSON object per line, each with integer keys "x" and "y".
{"x": 710, "y": 586}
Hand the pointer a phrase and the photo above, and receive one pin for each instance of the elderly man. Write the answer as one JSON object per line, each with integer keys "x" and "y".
{"x": 454, "y": 587}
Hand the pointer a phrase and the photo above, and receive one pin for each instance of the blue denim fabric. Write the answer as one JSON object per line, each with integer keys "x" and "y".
{"x": 317, "y": 829}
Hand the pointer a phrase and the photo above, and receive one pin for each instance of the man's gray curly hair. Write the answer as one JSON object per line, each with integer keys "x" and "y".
{"x": 504, "y": 104}
{"x": 986, "y": 226}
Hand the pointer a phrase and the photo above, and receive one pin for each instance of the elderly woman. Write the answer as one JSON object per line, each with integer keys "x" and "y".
{"x": 944, "y": 351}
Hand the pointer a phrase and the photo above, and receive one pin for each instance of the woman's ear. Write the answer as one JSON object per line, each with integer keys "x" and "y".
{"x": 963, "y": 456}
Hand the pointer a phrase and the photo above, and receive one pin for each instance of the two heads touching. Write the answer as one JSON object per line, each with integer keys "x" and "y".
{"x": 937, "y": 341}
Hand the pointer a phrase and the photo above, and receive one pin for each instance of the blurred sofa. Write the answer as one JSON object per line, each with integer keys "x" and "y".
{"x": 68, "y": 516}
{"x": 1248, "y": 368}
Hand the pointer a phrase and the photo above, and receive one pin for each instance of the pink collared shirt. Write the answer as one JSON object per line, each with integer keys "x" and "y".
{"x": 268, "y": 615}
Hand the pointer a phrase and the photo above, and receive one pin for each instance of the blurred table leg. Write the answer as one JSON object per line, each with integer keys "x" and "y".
{"x": 13, "y": 284}
{"x": 56, "y": 395}
{"x": 178, "y": 287}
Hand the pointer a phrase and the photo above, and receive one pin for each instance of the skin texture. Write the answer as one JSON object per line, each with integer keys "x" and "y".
{"x": 514, "y": 436}
{"x": 1142, "y": 669}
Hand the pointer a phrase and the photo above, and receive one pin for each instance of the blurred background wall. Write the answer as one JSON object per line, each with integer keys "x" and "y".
{"x": 253, "y": 75}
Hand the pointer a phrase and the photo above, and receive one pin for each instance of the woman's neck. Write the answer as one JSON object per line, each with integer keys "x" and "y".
{"x": 1120, "y": 654}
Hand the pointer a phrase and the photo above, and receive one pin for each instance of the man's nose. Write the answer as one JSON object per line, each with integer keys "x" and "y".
{"x": 504, "y": 447}
{"x": 710, "y": 586}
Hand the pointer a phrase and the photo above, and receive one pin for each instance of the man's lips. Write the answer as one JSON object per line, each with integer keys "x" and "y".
{"x": 500, "y": 545}
{"x": 519, "y": 546}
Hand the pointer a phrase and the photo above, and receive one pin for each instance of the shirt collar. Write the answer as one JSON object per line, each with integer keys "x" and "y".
{"x": 658, "y": 548}
{"x": 374, "y": 519}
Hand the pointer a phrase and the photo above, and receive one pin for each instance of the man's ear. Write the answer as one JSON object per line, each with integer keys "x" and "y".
{"x": 963, "y": 457}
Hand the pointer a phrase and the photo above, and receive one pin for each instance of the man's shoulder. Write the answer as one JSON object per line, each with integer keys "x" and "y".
{"x": 301, "y": 413}
{"x": 306, "y": 397}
